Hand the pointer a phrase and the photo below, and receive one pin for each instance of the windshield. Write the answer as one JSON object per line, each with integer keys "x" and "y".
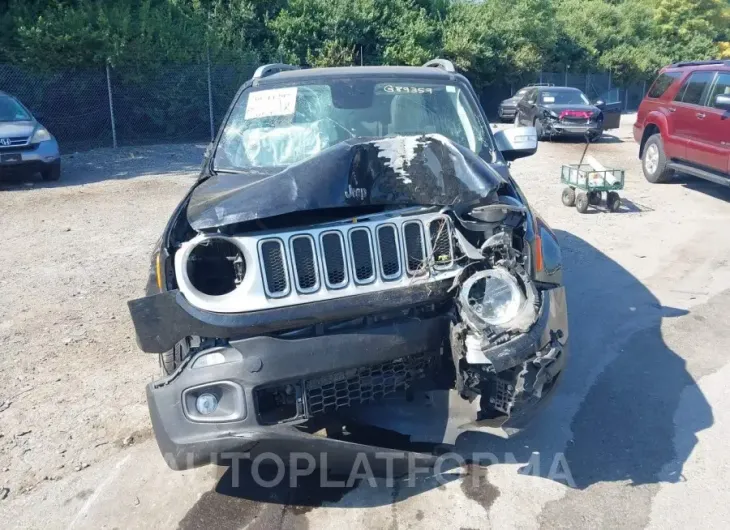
{"x": 563, "y": 97}
{"x": 271, "y": 127}
{"x": 11, "y": 110}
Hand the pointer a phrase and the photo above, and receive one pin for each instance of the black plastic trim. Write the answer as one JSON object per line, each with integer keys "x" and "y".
{"x": 162, "y": 320}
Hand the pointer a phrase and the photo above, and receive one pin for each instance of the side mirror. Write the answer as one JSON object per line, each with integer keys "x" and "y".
{"x": 517, "y": 142}
{"x": 600, "y": 104}
{"x": 722, "y": 101}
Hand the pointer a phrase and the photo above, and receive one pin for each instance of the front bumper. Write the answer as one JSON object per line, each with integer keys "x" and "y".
{"x": 261, "y": 362}
{"x": 507, "y": 112}
{"x": 32, "y": 159}
{"x": 555, "y": 128}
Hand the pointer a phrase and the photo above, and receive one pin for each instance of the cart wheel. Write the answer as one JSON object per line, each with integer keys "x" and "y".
{"x": 568, "y": 196}
{"x": 594, "y": 198}
{"x": 613, "y": 201}
{"x": 581, "y": 202}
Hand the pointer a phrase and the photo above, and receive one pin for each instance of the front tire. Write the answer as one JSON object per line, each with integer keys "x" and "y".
{"x": 171, "y": 360}
{"x": 539, "y": 128}
{"x": 654, "y": 161}
{"x": 613, "y": 201}
{"x": 581, "y": 202}
{"x": 53, "y": 172}
{"x": 568, "y": 196}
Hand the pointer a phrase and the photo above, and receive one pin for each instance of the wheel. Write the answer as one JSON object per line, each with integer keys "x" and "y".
{"x": 594, "y": 198}
{"x": 654, "y": 161}
{"x": 539, "y": 128}
{"x": 53, "y": 172}
{"x": 170, "y": 360}
{"x": 581, "y": 202}
{"x": 568, "y": 196}
{"x": 613, "y": 201}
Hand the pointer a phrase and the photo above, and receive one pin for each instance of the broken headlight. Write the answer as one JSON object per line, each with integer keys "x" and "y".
{"x": 493, "y": 296}
{"x": 215, "y": 266}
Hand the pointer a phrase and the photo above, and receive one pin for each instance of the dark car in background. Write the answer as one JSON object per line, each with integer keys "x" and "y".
{"x": 26, "y": 147}
{"x": 566, "y": 111}
{"x": 683, "y": 123}
{"x": 508, "y": 108}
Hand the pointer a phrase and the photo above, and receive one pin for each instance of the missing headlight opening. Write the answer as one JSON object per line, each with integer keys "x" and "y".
{"x": 215, "y": 267}
{"x": 333, "y": 310}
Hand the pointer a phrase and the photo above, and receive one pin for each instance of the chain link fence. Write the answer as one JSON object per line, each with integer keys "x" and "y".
{"x": 109, "y": 107}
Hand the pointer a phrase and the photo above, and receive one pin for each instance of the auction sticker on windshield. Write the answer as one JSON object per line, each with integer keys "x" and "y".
{"x": 399, "y": 89}
{"x": 273, "y": 102}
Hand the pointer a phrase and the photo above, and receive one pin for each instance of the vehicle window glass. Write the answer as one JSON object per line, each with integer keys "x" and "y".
{"x": 521, "y": 92}
{"x": 563, "y": 97}
{"x": 722, "y": 88}
{"x": 662, "y": 83}
{"x": 282, "y": 126}
{"x": 11, "y": 110}
{"x": 694, "y": 88}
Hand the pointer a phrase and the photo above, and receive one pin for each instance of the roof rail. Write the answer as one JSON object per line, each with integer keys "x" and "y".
{"x": 270, "y": 69}
{"x": 700, "y": 63}
{"x": 444, "y": 64}
{"x": 541, "y": 84}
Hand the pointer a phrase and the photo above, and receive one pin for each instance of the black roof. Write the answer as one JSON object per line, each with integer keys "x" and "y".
{"x": 361, "y": 71}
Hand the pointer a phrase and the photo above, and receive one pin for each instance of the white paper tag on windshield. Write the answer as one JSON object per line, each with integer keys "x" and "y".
{"x": 548, "y": 99}
{"x": 274, "y": 102}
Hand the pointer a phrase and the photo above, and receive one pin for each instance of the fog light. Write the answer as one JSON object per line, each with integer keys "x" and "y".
{"x": 206, "y": 404}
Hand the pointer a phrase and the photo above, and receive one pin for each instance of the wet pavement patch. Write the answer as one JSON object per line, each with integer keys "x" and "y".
{"x": 246, "y": 503}
{"x": 476, "y": 486}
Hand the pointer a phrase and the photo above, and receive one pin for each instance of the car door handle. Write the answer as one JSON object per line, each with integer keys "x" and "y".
{"x": 672, "y": 109}
{"x": 701, "y": 115}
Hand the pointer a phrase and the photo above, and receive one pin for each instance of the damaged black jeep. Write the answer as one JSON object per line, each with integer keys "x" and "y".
{"x": 354, "y": 243}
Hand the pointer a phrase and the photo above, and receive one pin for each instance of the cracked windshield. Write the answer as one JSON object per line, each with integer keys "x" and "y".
{"x": 283, "y": 126}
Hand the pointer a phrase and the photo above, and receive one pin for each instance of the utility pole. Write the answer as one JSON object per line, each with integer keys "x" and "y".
{"x": 111, "y": 106}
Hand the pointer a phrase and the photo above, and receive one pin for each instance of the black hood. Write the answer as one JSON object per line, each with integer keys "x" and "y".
{"x": 405, "y": 170}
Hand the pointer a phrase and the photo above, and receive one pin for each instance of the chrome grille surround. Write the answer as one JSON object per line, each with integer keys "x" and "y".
{"x": 362, "y": 257}
{"x": 389, "y": 252}
{"x": 334, "y": 260}
{"x": 274, "y": 267}
{"x": 15, "y": 141}
{"x": 334, "y": 267}
{"x": 414, "y": 244}
{"x": 304, "y": 263}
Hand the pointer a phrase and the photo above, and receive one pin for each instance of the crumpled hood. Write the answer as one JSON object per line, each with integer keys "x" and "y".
{"x": 404, "y": 170}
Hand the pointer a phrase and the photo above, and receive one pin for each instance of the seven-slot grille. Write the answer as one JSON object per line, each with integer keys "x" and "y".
{"x": 360, "y": 254}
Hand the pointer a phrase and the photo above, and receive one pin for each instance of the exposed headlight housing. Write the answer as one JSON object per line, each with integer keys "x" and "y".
{"x": 216, "y": 266}
{"x": 41, "y": 134}
{"x": 493, "y": 297}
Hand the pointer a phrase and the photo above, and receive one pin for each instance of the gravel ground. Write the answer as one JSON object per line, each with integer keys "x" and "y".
{"x": 640, "y": 416}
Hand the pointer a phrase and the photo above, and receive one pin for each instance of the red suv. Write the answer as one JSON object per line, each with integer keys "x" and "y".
{"x": 683, "y": 123}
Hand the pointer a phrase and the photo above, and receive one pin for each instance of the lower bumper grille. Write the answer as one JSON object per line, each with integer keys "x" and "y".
{"x": 365, "y": 384}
